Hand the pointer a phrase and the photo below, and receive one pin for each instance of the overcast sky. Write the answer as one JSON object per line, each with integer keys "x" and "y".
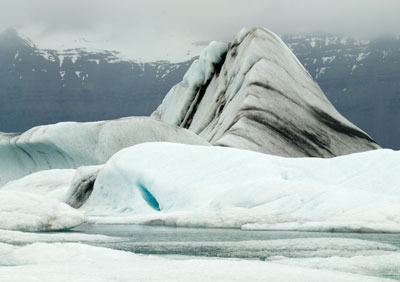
{"x": 147, "y": 25}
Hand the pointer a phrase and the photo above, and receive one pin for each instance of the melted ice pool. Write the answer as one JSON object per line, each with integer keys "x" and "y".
{"x": 374, "y": 254}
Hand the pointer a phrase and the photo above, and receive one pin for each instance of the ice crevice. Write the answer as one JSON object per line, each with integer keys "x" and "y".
{"x": 148, "y": 197}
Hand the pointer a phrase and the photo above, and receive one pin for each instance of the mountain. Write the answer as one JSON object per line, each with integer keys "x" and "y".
{"x": 254, "y": 94}
{"x": 360, "y": 77}
{"x": 47, "y": 86}
{"x": 42, "y": 86}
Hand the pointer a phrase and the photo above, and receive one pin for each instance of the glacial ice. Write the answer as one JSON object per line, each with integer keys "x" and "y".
{"x": 78, "y": 262}
{"x": 24, "y": 238}
{"x": 81, "y": 186}
{"x": 260, "y": 98}
{"x": 180, "y": 98}
{"x": 387, "y": 264}
{"x": 73, "y": 144}
{"x": 29, "y": 212}
{"x": 53, "y": 183}
{"x": 226, "y": 187}
{"x": 202, "y": 69}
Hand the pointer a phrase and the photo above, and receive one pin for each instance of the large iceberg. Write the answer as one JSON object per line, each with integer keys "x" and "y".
{"x": 183, "y": 185}
{"x": 73, "y": 144}
{"x": 254, "y": 94}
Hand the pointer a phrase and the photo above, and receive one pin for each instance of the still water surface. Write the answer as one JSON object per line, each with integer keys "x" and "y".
{"x": 235, "y": 243}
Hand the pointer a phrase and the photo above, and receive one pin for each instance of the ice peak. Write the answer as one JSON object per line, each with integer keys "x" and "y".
{"x": 259, "y": 98}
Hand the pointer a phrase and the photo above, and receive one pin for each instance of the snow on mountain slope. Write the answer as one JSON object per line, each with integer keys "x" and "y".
{"x": 182, "y": 185}
{"x": 257, "y": 96}
{"x": 30, "y": 212}
{"x": 127, "y": 50}
{"x": 44, "y": 86}
{"x": 72, "y": 144}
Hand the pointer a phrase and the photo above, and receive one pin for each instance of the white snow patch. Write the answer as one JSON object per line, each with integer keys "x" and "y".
{"x": 320, "y": 72}
{"x": 95, "y": 60}
{"x": 48, "y": 183}
{"x": 328, "y": 59}
{"x": 61, "y": 60}
{"x": 65, "y": 262}
{"x": 388, "y": 264}
{"x": 362, "y": 56}
{"x": 313, "y": 42}
{"x": 30, "y": 212}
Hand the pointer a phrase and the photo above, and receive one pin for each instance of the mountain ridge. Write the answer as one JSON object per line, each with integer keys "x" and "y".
{"x": 98, "y": 86}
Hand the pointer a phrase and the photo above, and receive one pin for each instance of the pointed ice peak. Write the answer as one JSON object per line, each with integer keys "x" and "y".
{"x": 261, "y": 98}
{"x": 202, "y": 69}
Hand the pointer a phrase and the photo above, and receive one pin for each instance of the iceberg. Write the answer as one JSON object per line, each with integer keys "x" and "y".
{"x": 72, "y": 144}
{"x": 28, "y": 212}
{"x": 254, "y": 94}
{"x": 208, "y": 186}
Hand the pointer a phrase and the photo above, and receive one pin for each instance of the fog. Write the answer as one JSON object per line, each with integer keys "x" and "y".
{"x": 166, "y": 23}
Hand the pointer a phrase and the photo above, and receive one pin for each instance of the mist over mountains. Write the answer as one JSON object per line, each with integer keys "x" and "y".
{"x": 46, "y": 86}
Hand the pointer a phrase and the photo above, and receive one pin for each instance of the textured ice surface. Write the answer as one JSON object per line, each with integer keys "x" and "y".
{"x": 81, "y": 186}
{"x": 388, "y": 265}
{"x": 52, "y": 183}
{"x": 72, "y": 144}
{"x": 202, "y": 69}
{"x": 260, "y": 98}
{"x": 225, "y": 187}
{"x": 17, "y": 237}
{"x": 29, "y": 212}
{"x": 77, "y": 262}
{"x": 183, "y": 96}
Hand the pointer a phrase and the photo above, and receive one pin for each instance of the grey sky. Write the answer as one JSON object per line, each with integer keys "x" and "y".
{"x": 159, "y": 22}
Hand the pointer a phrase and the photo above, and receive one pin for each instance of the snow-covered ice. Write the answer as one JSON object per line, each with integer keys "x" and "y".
{"x": 52, "y": 183}
{"x": 78, "y": 262}
{"x": 29, "y": 212}
{"x": 19, "y": 238}
{"x": 184, "y": 185}
{"x": 388, "y": 264}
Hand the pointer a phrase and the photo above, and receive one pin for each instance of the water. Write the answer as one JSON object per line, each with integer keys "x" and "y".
{"x": 261, "y": 245}
{"x": 145, "y": 233}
